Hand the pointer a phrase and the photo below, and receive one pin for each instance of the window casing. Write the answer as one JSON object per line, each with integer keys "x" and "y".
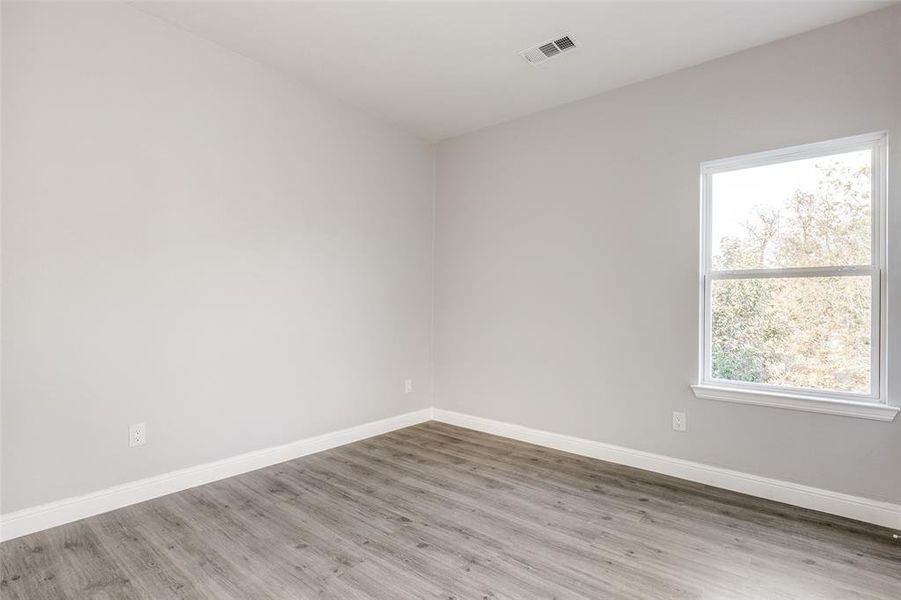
{"x": 712, "y": 384}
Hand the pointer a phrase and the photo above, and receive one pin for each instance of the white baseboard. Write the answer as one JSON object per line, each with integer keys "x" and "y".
{"x": 854, "y": 507}
{"x": 49, "y": 515}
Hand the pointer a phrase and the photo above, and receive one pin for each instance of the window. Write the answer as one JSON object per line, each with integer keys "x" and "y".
{"x": 792, "y": 278}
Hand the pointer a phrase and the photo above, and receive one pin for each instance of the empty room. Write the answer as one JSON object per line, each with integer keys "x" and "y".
{"x": 450, "y": 300}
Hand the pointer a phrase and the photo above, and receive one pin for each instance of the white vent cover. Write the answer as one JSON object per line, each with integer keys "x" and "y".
{"x": 549, "y": 49}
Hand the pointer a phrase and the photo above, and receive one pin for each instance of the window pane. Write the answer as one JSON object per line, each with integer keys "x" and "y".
{"x": 804, "y": 213}
{"x": 805, "y": 332}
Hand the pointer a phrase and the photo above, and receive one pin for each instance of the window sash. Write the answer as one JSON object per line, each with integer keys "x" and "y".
{"x": 857, "y": 270}
{"x": 875, "y": 337}
{"x": 877, "y": 144}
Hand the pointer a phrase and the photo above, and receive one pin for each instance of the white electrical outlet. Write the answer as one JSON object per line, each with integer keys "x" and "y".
{"x": 679, "y": 421}
{"x": 137, "y": 435}
{"x": 408, "y": 386}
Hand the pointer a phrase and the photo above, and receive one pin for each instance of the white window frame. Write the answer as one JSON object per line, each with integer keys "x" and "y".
{"x": 873, "y": 405}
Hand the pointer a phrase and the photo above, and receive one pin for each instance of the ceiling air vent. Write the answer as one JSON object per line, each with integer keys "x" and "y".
{"x": 564, "y": 43}
{"x": 549, "y": 49}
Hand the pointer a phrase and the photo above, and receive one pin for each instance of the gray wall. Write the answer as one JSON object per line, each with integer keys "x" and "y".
{"x": 567, "y": 257}
{"x": 194, "y": 242}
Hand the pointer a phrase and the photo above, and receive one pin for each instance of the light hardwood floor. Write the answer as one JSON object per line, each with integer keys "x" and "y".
{"x": 436, "y": 511}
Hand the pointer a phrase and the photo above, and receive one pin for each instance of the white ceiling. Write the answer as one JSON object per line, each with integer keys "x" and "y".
{"x": 439, "y": 69}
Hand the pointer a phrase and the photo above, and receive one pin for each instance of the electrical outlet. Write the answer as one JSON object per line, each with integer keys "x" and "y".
{"x": 137, "y": 435}
{"x": 408, "y": 386}
{"x": 679, "y": 421}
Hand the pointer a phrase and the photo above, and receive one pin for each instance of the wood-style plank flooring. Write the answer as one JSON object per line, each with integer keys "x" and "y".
{"x": 435, "y": 511}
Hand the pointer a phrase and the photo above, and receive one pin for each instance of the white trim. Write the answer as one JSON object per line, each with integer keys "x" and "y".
{"x": 880, "y": 255}
{"x": 881, "y": 513}
{"x": 800, "y": 152}
{"x": 850, "y": 271}
{"x": 49, "y": 515}
{"x": 786, "y": 391}
{"x": 876, "y": 411}
{"x": 807, "y": 399}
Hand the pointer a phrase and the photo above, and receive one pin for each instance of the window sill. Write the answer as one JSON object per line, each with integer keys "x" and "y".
{"x": 845, "y": 408}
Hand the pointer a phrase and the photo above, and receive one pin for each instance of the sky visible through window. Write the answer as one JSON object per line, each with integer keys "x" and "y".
{"x": 740, "y": 196}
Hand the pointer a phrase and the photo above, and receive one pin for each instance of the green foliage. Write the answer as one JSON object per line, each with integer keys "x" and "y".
{"x": 811, "y": 332}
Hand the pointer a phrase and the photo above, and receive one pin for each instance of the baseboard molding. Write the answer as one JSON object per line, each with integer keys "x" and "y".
{"x": 854, "y": 507}
{"x": 49, "y": 515}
